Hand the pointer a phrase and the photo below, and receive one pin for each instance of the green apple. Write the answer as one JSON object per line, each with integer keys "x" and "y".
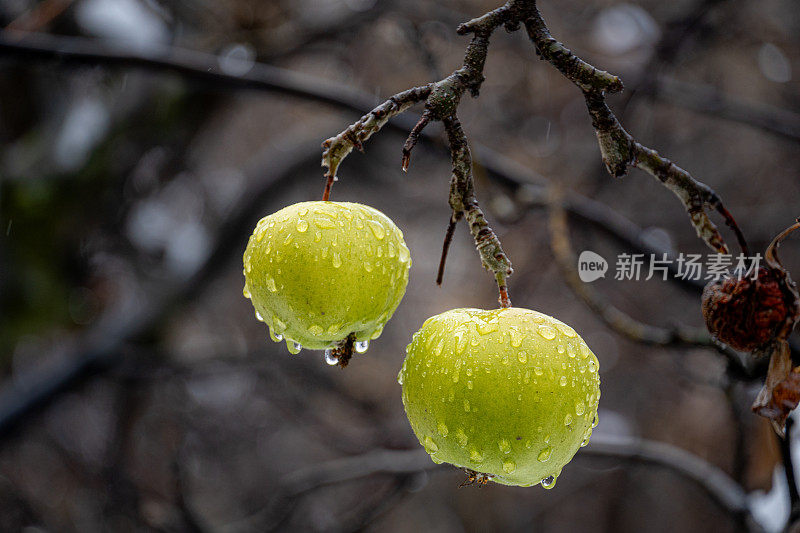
{"x": 317, "y": 272}
{"x": 510, "y": 394}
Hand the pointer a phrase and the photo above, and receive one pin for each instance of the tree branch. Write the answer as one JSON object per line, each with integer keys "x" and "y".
{"x": 616, "y": 319}
{"x": 618, "y": 148}
{"x": 716, "y": 484}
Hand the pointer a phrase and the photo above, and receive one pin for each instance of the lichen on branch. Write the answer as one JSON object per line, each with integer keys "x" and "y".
{"x": 465, "y": 205}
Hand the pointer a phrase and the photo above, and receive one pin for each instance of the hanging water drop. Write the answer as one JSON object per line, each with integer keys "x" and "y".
{"x": 332, "y": 359}
{"x": 293, "y": 347}
{"x": 362, "y": 346}
{"x": 549, "y": 482}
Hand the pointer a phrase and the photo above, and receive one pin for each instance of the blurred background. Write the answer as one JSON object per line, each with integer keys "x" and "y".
{"x": 138, "y": 391}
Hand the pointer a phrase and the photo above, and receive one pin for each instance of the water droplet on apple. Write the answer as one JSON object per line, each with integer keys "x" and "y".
{"x": 430, "y": 445}
{"x": 545, "y": 454}
{"x": 546, "y": 332}
{"x": 377, "y": 229}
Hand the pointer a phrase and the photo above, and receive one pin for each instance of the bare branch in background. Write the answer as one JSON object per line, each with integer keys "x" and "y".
{"x": 723, "y": 490}
{"x": 616, "y": 319}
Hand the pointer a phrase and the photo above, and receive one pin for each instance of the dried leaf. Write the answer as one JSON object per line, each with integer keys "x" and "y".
{"x": 781, "y": 391}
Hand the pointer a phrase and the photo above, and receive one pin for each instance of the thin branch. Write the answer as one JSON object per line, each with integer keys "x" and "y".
{"x": 722, "y": 490}
{"x": 616, "y": 319}
{"x": 448, "y": 238}
{"x": 618, "y": 148}
{"x": 712, "y": 102}
{"x": 335, "y": 149}
{"x": 442, "y": 99}
{"x": 464, "y": 204}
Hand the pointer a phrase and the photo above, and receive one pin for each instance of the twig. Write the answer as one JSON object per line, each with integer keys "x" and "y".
{"x": 722, "y": 490}
{"x": 709, "y": 101}
{"x": 464, "y": 204}
{"x": 441, "y": 103}
{"x": 615, "y": 318}
{"x": 40, "y": 16}
{"x": 618, "y": 148}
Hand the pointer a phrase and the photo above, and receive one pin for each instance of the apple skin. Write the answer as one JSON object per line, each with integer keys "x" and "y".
{"x": 510, "y": 393}
{"x": 318, "y": 271}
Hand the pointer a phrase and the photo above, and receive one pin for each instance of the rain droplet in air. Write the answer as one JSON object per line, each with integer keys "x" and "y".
{"x": 362, "y": 346}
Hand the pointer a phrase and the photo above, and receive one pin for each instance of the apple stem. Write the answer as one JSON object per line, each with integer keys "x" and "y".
{"x": 505, "y": 300}
{"x": 326, "y": 194}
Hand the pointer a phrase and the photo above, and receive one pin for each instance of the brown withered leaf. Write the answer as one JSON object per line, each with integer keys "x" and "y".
{"x": 781, "y": 391}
